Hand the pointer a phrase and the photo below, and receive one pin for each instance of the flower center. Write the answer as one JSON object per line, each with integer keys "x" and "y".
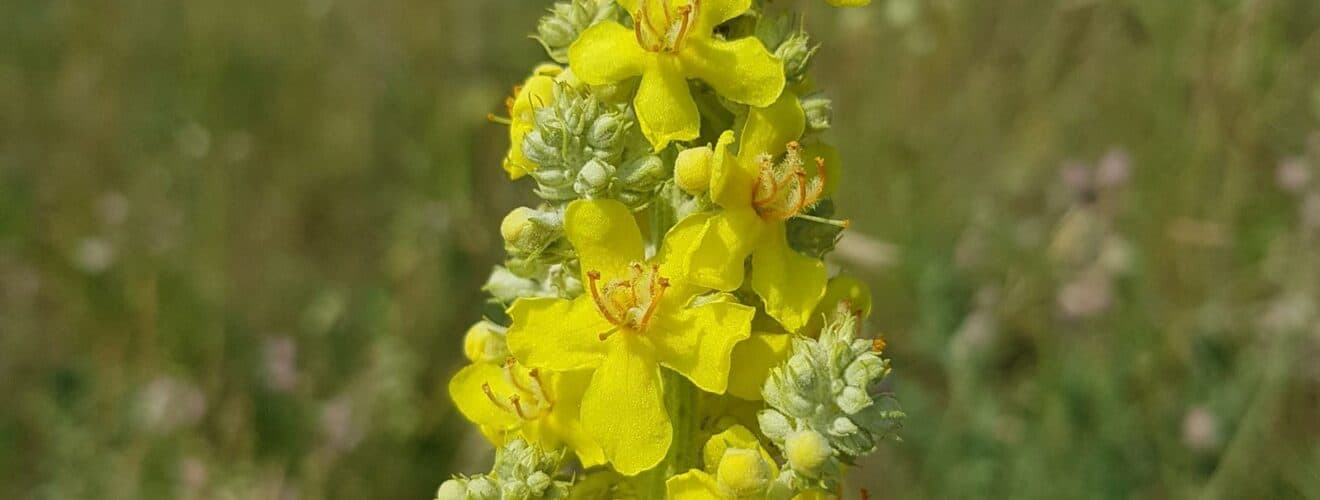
{"x": 664, "y": 31}
{"x": 530, "y": 399}
{"x": 782, "y": 190}
{"x": 628, "y": 303}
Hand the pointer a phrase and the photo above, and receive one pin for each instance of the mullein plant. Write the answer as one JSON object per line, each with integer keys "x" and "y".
{"x": 665, "y": 326}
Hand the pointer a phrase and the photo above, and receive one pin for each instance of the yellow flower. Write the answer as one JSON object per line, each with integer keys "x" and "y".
{"x": 635, "y": 318}
{"x": 736, "y": 466}
{"x": 506, "y": 400}
{"x": 756, "y": 196}
{"x": 849, "y": 3}
{"x": 672, "y": 41}
{"x": 537, "y": 91}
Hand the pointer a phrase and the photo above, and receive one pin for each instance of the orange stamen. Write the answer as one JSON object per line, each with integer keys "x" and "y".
{"x": 601, "y": 305}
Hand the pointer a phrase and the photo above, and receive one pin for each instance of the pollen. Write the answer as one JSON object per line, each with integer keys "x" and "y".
{"x": 530, "y": 399}
{"x": 665, "y": 30}
{"x": 628, "y": 303}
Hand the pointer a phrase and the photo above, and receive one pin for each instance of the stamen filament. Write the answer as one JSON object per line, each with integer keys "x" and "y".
{"x": 495, "y": 399}
{"x": 509, "y": 377}
{"x": 498, "y": 119}
{"x": 836, "y": 223}
{"x": 655, "y": 301}
{"x": 538, "y": 389}
{"x": 601, "y": 305}
{"x": 517, "y": 406}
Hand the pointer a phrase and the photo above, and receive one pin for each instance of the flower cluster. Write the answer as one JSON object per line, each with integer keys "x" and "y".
{"x": 671, "y": 283}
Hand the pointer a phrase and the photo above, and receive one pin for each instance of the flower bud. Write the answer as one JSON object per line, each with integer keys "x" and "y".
{"x": 566, "y": 20}
{"x": 516, "y": 224}
{"x": 482, "y": 488}
{"x": 539, "y": 150}
{"x": 453, "y": 489}
{"x": 819, "y": 111}
{"x": 807, "y": 451}
{"x": 606, "y": 131}
{"x": 743, "y": 472}
{"x": 482, "y": 344}
{"x": 773, "y": 424}
{"x": 852, "y": 400}
{"x": 539, "y": 481}
{"x": 555, "y": 32}
{"x": 594, "y": 178}
{"x": 516, "y": 489}
{"x": 692, "y": 170}
{"x": 796, "y": 52}
{"x": 863, "y": 370}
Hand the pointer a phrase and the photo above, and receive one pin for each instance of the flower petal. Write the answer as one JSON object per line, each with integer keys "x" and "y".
{"x": 731, "y": 181}
{"x": 736, "y": 437}
{"x": 694, "y": 485}
{"x": 741, "y": 70}
{"x": 790, "y": 283}
{"x": 770, "y": 129}
{"x": 605, "y": 235}
{"x": 537, "y": 91}
{"x": 698, "y": 342}
{"x": 752, "y": 361}
{"x": 713, "y": 13}
{"x": 623, "y": 409}
{"x": 557, "y": 334}
{"x": 664, "y": 105}
{"x": 606, "y": 53}
{"x": 568, "y": 390}
{"x": 471, "y": 400}
{"x": 716, "y": 258}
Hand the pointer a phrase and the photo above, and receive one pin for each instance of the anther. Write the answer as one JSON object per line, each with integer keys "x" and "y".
{"x": 878, "y": 345}
{"x": 592, "y": 278}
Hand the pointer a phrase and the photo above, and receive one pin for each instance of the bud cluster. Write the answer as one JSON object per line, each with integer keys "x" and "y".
{"x": 521, "y": 472}
{"x": 586, "y": 148}
{"x": 566, "y": 20}
{"x": 823, "y": 409}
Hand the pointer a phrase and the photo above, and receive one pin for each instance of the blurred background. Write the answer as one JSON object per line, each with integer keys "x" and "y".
{"x": 240, "y": 241}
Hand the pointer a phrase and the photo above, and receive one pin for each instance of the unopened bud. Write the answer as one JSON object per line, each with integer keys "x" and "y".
{"x": 807, "y": 451}
{"x": 482, "y": 488}
{"x": 819, "y": 111}
{"x": 539, "y": 481}
{"x": 453, "y": 489}
{"x": 595, "y": 176}
{"x": 515, "y": 489}
{"x": 692, "y": 170}
{"x": 516, "y": 224}
{"x": 483, "y": 344}
{"x": 743, "y": 472}
{"x": 774, "y": 424}
{"x": 606, "y": 131}
{"x": 796, "y": 52}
